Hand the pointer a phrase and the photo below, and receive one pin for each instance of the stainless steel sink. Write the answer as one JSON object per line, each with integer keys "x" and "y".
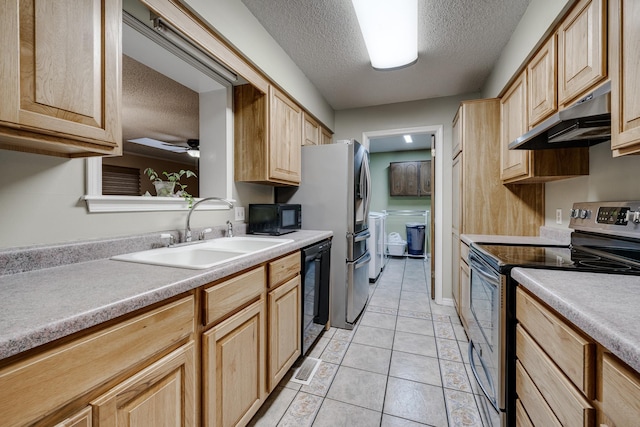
{"x": 204, "y": 254}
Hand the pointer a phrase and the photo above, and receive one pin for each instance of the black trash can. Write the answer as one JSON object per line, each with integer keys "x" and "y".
{"x": 415, "y": 238}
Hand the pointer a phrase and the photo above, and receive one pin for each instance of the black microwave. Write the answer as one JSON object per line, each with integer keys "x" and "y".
{"x": 274, "y": 218}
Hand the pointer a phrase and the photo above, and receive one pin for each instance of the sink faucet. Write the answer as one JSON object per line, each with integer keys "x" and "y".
{"x": 229, "y": 229}
{"x": 187, "y": 230}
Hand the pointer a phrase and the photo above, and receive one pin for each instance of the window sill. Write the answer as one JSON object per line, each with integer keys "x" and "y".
{"x": 144, "y": 204}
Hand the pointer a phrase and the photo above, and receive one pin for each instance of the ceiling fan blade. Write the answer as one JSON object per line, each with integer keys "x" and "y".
{"x": 154, "y": 143}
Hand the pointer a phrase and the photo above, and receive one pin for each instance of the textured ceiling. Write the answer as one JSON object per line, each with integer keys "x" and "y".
{"x": 459, "y": 42}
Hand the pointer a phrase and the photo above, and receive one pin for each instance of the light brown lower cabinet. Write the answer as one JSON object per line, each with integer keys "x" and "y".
{"x": 233, "y": 364}
{"x": 208, "y": 358}
{"x": 161, "y": 394}
{"x": 564, "y": 377}
{"x": 620, "y": 393}
{"x": 284, "y": 329}
{"x": 83, "y": 418}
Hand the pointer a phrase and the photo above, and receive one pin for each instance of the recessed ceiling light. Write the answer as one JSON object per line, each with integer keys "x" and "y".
{"x": 390, "y": 31}
{"x": 408, "y": 139}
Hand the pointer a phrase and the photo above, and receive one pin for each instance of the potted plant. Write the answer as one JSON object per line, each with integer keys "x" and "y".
{"x": 165, "y": 188}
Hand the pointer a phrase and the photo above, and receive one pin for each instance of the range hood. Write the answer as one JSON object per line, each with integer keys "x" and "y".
{"x": 585, "y": 123}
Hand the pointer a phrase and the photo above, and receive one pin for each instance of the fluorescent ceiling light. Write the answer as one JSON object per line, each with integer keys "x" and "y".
{"x": 390, "y": 31}
{"x": 408, "y": 139}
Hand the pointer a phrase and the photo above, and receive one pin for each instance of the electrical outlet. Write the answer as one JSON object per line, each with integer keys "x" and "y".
{"x": 558, "y": 216}
{"x": 239, "y": 211}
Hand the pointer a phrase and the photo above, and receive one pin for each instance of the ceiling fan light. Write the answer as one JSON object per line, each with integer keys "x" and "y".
{"x": 390, "y": 31}
{"x": 193, "y": 152}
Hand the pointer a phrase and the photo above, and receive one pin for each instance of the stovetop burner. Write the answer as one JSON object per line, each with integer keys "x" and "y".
{"x": 505, "y": 257}
{"x": 606, "y": 240}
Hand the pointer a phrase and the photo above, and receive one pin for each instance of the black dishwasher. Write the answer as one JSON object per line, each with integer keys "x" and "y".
{"x": 316, "y": 276}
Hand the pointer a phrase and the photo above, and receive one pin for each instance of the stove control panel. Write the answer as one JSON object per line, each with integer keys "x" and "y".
{"x": 613, "y": 218}
{"x": 613, "y": 215}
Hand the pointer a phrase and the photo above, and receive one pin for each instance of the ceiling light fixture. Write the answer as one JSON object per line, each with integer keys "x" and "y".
{"x": 390, "y": 31}
{"x": 408, "y": 139}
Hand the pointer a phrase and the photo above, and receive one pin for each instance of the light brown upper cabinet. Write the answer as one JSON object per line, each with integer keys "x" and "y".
{"x": 514, "y": 123}
{"x": 410, "y": 178}
{"x": 268, "y": 135}
{"x": 310, "y": 131}
{"x": 625, "y": 67}
{"x": 582, "y": 50}
{"x": 525, "y": 166}
{"x": 61, "y": 89}
{"x": 326, "y": 136}
{"x": 542, "y": 87}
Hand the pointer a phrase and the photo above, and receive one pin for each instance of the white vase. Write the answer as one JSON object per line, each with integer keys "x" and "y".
{"x": 164, "y": 188}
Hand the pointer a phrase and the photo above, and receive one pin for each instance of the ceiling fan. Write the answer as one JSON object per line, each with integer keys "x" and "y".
{"x": 192, "y": 148}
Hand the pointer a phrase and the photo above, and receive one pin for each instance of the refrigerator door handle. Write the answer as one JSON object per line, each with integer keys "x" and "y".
{"x": 367, "y": 183}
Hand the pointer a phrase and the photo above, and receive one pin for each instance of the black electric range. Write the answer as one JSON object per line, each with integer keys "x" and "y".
{"x": 606, "y": 240}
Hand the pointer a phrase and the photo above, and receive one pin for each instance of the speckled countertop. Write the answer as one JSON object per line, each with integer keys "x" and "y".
{"x": 604, "y": 306}
{"x": 548, "y": 236}
{"x": 43, "y": 305}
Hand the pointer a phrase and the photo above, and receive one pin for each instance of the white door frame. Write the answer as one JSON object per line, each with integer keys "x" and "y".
{"x": 436, "y": 194}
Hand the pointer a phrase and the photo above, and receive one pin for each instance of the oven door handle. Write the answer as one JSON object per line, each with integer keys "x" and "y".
{"x": 482, "y": 270}
{"x": 475, "y": 374}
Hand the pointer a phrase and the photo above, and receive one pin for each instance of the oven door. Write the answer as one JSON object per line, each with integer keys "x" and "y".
{"x": 486, "y": 331}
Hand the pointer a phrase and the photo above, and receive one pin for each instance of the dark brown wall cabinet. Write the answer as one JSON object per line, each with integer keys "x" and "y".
{"x": 410, "y": 178}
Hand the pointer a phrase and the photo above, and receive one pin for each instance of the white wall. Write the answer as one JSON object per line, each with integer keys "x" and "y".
{"x": 539, "y": 16}
{"x": 430, "y": 112}
{"x": 609, "y": 179}
{"x": 237, "y": 24}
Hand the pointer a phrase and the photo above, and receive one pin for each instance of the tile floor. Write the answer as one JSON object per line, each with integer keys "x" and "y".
{"x": 405, "y": 364}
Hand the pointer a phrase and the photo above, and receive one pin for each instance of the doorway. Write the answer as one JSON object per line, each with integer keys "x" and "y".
{"x": 427, "y": 139}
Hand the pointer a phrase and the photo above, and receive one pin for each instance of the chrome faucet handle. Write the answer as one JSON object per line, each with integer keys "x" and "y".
{"x": 229, "y": 229}
{"x": 203, "y": 232}
{"x": 169, "y": 238}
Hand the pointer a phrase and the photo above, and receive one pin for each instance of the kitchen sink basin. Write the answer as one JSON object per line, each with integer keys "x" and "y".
{"x": 205, "y": 254}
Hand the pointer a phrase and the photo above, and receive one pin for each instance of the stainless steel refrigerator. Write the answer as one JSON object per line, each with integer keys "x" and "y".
{"x": 335, "y": 194}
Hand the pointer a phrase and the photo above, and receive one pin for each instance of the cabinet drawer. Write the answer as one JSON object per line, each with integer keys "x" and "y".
{"x": 283, "y": 269}
{"x": 570, "y": 350}
{"x": 226, "y": 297}
{"x": 620, "y": 392}
{"x": 464, "y": 252}
{"x": 522, "y": 419}
{"x": 531, "y": 400}
{"x": 46, "y": 381}
{"x": 564, "y": 399}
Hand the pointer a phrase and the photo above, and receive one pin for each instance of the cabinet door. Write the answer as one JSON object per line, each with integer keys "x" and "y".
{"x": 456, "y": 194}
{"x": 456, "y": 136}
{"x": 162, "y": 394}
{"x": 465, "y": 293}
{"x": 542, "y": 83}
{"x": 582, "y": 53}
{"x": 233, "y": 368}
{"x": 326, "y": 137}
{"x": 284, "y": 138}
{"x": 403, "y": 178}
{"x": 625, "y": 86}
{"x": 455, "y": 271}
{"x": 620, "y": 393}
{"x": 61, "y": 76}
{"x": 424, "y": 174}
{"x": 284, "y": 329}
{"x": 514, "y": 123}
{"x": 311, "y": 131}
{"x": 84, "y": 418}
